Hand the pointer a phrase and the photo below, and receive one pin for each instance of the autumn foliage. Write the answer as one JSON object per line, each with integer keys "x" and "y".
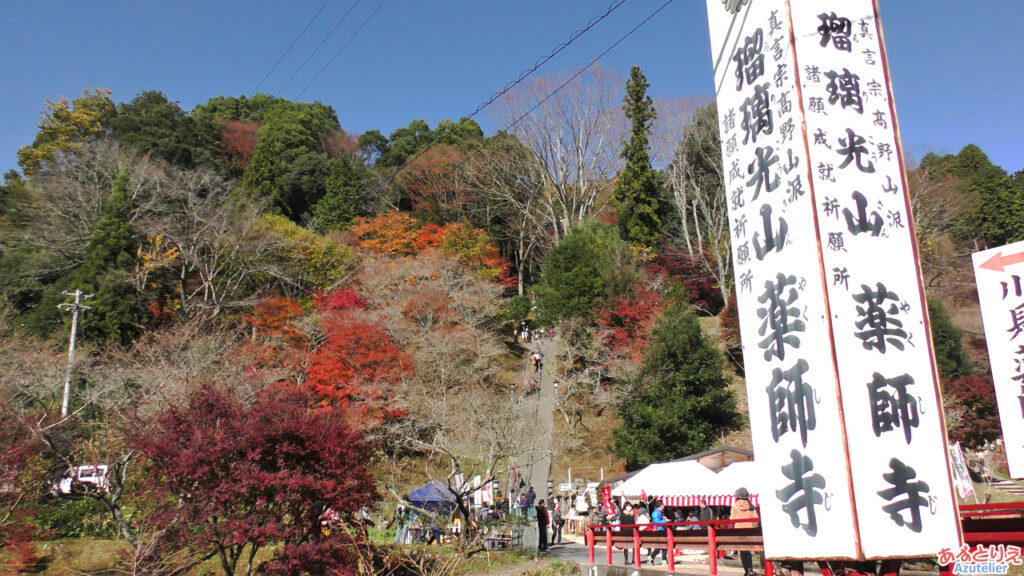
{"x": 399, "y": 234}
{"x": 393, "y": 233}
{"x": 356, "y": 367}
{"x": 341, "y": 299}
{"x": 975, "y": 396}
{"x": 628, "y": 323}
{"x": 275, "y": 340}
{"x": 432, "y": 186}
{"x": 19, "y": 465}
{"x": 238, "y": 142}
{"x": 244, "y": 476}
{"x": 693, "y": 272}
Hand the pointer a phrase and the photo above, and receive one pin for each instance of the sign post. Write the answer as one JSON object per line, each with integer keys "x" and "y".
{"x": 845, "y": 409}
{"x": 998, "y": 273}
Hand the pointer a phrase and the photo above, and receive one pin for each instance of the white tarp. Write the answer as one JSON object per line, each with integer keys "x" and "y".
{"x": 686, "y": 483}
{"x": 667, "y": 479}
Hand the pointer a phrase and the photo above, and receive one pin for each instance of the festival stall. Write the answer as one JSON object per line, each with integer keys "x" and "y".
{"x": 434, "y": 497}
{"x": 684, "y": 483}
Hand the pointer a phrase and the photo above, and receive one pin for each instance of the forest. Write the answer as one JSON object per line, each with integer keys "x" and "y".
{"x": 284, "y": 318}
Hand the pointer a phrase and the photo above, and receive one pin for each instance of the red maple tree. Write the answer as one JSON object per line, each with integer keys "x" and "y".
{"x": 20, "y": 464}
{"x": 629, "y": 323}
{"x": 345, "y": 298}
{"x": 238, "y": 141}
{"x": 245, "y": 476}
{"x": 976, "y": 397}
{"x": 356, "y": 367}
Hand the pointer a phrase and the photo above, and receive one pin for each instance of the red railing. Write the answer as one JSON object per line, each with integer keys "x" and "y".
{"x": 648, "y": 536}
{"x": 996, "y": 523}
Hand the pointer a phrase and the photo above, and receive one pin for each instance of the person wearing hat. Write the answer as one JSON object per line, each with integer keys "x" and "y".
{"x": 742, "y": 510}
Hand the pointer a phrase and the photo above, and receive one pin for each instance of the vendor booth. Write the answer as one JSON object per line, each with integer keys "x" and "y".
{"x": 433, "y": 497}
{"x": 683, "y": 483}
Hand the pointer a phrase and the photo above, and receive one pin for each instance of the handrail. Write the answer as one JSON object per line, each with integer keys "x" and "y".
{"x": 724, "y": 522}
{"x": 637, "y": 534}
{"x": 992, "y": 523}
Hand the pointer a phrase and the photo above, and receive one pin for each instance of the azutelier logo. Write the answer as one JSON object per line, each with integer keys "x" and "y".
{"x": 992, "y": 559}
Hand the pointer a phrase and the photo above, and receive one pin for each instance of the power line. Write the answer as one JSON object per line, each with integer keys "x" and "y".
{"x": 544, "y": 60}
{"x": 343, "y": 46}
{"x": 290, "y": 46}
{"x": 526, "y": 73}
{"x": 318, "y": 47}
{"x": 569, "y": 80}
{"x": 585, "y": 68}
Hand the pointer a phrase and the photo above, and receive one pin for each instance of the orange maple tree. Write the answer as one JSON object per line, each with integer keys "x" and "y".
{"x": 358, "y": 364}
{"x": 276, "y": 341}
{"x": 432, "y": 185}
{"x": 398, "y": 234}
{"x": 393, "y": 233}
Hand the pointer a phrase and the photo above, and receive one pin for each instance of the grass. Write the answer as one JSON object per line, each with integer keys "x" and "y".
{"x": 982, "y": 490}
{"x": 96, "y": 556}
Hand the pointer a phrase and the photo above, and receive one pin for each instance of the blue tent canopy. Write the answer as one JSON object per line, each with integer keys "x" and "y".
{"x": 434, "y": 496}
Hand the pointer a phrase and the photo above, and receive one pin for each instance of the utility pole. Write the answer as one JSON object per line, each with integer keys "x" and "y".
{"x": 65, "y": 403}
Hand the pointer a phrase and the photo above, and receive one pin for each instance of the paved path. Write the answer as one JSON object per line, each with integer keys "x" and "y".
{"x": 1015, "y": 487}
{"x": 536, "y": 409}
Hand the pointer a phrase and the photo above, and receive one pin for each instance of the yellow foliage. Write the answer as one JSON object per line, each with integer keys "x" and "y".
{"x": 305, "y": 257}
{"x": 65, "y": 124}
{"x": 155, "y": 253}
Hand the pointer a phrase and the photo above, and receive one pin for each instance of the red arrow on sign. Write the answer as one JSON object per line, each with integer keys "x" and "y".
{"x": 998, "y": 262}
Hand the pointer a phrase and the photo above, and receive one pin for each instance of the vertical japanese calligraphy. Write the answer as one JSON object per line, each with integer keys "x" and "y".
{"x": 998, "y": 273}
{"x": 890, "y": 399}
{"x": 845, "y": 411}
{"x": 805, "y": 498}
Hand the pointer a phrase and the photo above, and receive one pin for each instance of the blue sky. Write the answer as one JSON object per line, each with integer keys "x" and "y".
{"x": 955, "y": 65}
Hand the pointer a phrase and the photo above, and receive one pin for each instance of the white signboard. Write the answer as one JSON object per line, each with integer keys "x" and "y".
{"x": 795, "y": 418}
{"x": 998, "y": 274}
{"x": 891, "y": 399}
{"x": 829, "y": 276}
{"x": 964, "y": 486}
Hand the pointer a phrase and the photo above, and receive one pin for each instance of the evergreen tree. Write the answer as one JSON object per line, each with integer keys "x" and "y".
{"x": 589, "y": 265}
{"x": 949, "y": 352}
{"x": 117, "y": 312}
{"x": 682, "y": 403}
{"x": 991, "y": 201}
{"x": 154, "y": 124}
{"x": 288, "y": 168}
{"x": 345, "y": 189}
{"x": 636, "y": 189}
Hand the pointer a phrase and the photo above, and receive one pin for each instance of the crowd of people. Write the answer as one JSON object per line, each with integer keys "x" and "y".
{"x": 650, "y": 514}
{"x": 652, "y": 511}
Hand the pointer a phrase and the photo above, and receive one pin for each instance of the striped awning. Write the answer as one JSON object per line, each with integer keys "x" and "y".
{"x": 692, "y": 500}
{"x": 684, "y": 483}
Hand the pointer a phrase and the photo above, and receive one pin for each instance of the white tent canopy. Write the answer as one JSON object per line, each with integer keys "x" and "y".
{"x": 667, "y": 480}
{"x": 733, "y": 477}
{"x": 684, "y": 483}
